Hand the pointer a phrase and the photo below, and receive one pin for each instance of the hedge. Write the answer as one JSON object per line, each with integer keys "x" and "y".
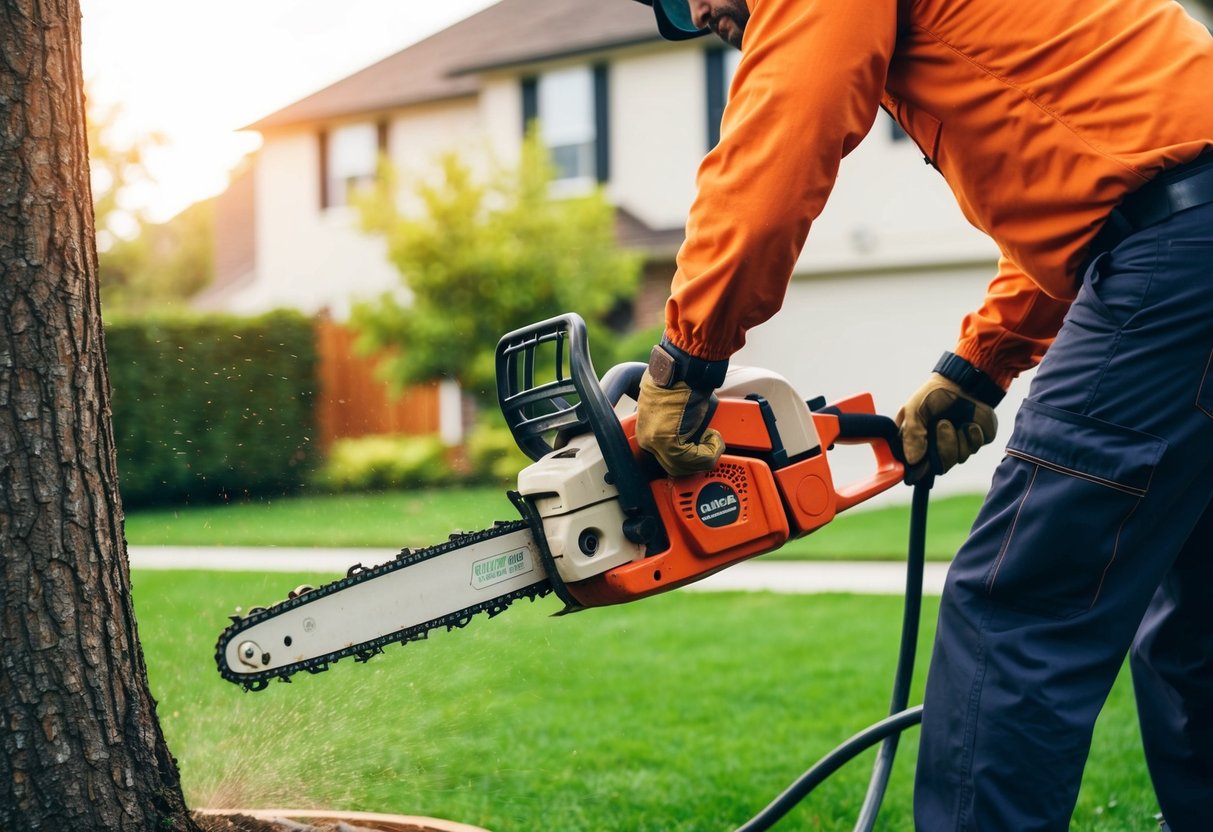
{"x": 212, "y": 408}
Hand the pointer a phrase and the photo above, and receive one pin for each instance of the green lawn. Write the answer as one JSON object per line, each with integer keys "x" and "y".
{"x": 386, "y": 519}
{"x": 397, "y": 519}
{"x": 646, "y": 717}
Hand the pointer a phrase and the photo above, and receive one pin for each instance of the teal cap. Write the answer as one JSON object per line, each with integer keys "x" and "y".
{"x": 674, "y": 19}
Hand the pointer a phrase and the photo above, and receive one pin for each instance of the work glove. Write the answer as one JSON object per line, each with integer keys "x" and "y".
{"x": 676, "y": 403}
{"x": 948, "y": 418}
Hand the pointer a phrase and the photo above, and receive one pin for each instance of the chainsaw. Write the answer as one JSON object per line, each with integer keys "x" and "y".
{"x": 599, "y": 522}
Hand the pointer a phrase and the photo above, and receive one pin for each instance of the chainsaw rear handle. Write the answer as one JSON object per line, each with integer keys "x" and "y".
{"x": 853, "y": 422}
{"x": 862, "y": 426}
{"x": 570, "y": 402}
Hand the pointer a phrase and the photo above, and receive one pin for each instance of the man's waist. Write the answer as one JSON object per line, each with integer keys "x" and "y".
{"x": 1174, "y": 190}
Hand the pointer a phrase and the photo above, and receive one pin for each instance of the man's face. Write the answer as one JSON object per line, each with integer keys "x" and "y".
{"x": 727, "y": 18}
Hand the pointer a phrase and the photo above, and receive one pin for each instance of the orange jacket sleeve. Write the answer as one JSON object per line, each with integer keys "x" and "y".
{"x": 805, "y": 93}
{"x": 1014, "y": 326}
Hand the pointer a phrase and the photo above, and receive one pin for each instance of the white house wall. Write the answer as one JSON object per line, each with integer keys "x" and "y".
{"x": 307, "y": 258}
{"x": 658, "y": 118}
{"x": 501, "y": 116}
{"x": 889, "y": 210}
{"x": 419, "y": 138}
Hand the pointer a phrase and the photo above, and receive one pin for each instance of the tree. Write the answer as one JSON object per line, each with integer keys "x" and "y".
{"x": 81, "y": 747}
{"x": 483, "y": 258}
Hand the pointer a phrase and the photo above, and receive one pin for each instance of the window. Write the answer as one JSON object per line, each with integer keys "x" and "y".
{"x": 572, "y": 108}
{"x": 721, "y": 65}
{"x": 566, "y": 121}
{"x": 349, "y": 158}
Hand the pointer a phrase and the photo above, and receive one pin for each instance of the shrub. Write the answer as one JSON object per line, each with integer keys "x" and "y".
{"x": 381, "y": 462}
{"x": 493, "y": 454}
{"x": 210, "y": 408}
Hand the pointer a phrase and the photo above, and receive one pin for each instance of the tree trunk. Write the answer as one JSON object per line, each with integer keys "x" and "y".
{"x": 80, "y": 746}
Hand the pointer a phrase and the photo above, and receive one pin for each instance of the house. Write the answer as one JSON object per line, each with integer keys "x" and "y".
{"x": 890, "y": 268}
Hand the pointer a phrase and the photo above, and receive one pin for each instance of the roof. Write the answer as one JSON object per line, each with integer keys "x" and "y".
{"x": 442, "y": 66}
{"x": 635, "y": 234}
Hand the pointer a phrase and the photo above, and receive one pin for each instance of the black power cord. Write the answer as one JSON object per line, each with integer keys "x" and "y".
{"x": 887, "y": 731}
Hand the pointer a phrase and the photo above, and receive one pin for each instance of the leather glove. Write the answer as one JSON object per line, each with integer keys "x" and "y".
{"x": 948, "y": 418}
{"x": 670, "y": 425}
{"x": 676, "y": 403}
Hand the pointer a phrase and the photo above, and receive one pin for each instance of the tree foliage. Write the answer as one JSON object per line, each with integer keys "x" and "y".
{"x": 163, "y": 266}
{"x": 483, "y": 257}
{"x": 143, "y": 264}
{"x": 117, "y": 166}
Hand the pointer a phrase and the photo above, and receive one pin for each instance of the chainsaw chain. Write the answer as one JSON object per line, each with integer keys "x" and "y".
{"x": 368, "y": 649}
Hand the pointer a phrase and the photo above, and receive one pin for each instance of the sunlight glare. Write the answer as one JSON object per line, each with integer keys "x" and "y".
{"x": 198, "y": 72}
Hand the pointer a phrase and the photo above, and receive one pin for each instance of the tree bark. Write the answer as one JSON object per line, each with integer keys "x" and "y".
{"x": 80, "y": 745}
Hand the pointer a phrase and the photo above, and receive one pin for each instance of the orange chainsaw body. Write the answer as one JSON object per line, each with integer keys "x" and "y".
{"x": 744, "y": 506}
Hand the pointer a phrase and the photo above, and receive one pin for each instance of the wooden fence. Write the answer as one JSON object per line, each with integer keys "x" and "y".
{"x": 353, "y": 401}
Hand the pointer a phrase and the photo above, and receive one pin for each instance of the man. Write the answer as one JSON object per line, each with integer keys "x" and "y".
{"x": 1076, "y": 134}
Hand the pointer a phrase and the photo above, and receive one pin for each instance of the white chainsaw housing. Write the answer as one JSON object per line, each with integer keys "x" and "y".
{"x": 569, "y": 487}
{"x": 582, "y": 520}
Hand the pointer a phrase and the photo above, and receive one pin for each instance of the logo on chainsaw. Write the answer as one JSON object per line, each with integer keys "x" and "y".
{"x": 717, "y": 505}
{"x": 495, "y": 569}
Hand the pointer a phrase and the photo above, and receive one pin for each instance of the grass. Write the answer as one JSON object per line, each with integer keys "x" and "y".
{"x": 396, "y": 519}
{"x": 385, "y": 519}
{"x": 643, "y": 718}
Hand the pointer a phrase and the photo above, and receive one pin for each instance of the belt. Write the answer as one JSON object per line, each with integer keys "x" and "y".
{"x": 1172, "y": 191}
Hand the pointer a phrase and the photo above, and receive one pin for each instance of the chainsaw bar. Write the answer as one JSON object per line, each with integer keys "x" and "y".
{"x": 365, "y": 650}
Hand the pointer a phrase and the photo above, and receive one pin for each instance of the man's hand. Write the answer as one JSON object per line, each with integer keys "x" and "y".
{"x": 676, "y": 404}
{"x": 669, "y": 422}
{"x": 942, "y": 426}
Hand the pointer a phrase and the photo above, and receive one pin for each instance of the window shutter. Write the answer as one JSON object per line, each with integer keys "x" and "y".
{"x": 530, "y": 102}
{"x": 602, "y": 122}
{"x": 714, "y": 66}
{"x": 323, "y": 146}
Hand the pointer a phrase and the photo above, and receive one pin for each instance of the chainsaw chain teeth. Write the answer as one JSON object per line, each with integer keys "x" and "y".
{"x": 368, "y": 649}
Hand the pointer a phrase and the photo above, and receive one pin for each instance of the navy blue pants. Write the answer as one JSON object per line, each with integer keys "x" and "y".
{"x": 1096, "y": 539}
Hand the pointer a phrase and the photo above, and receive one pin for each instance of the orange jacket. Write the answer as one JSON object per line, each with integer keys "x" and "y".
{"x": 1041, "y": 115}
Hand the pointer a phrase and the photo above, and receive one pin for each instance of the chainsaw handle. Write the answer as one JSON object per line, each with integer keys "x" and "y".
{"x": 854, "y": 423}
{"x": 864, "y": 426}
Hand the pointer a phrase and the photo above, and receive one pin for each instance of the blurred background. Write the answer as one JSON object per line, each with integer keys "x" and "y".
{"x": 314, "y": 221}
